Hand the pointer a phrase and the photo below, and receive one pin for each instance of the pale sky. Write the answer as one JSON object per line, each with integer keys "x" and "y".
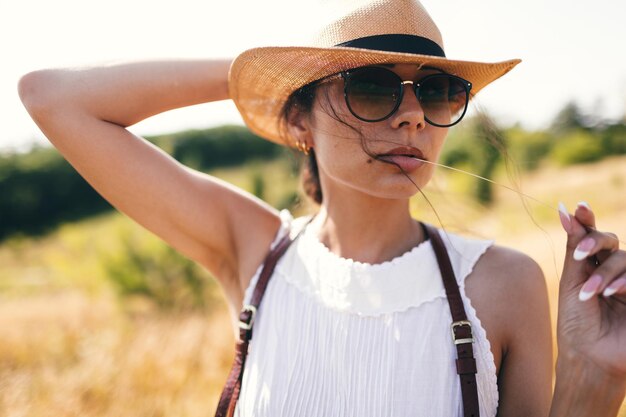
{"x": 570, "y": 49}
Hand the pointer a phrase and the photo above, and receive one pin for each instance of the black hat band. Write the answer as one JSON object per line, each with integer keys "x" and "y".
{"x": 397, "y": 43}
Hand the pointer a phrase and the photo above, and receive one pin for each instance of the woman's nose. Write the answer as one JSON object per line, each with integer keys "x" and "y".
{"x": 410, "y": 112}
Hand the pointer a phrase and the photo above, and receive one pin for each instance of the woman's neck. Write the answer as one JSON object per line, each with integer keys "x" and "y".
{"x": 370, "y": 233}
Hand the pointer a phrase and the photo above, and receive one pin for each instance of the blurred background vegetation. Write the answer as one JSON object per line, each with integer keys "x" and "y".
{"x": 40, "y": 190}
{"x": 98, "y": 317}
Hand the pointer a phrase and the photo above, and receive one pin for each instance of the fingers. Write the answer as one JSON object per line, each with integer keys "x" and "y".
{"x": 617, "y": 287}
{"x": 594, "y": 264}
{"x": 603, "y": 249}
{"x": 607, "y": 279}
{"x": 584, "y": 215}
{"x": 593, "y": 244}
{"x": 576, "y": 226}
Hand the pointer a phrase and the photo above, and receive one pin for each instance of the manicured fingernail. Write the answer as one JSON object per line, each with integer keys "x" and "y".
{"x": 614, "y": 287}
{"x": 590, "y": 288}
{"x": 584, "y": 204}
{"x": 564, "y": 216}
{"x": 583, "y": 248}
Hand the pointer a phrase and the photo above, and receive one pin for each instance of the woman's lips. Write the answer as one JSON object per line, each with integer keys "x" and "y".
{"x": 407, "y": 158}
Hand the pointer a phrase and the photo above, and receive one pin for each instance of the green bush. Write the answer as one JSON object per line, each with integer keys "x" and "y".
{"x": 219, "y": 147}
{"x": 577, "y": 147}
{"x": 258, "y": 184}
{"x": 528, "y": 149}
{"x": 614, "y": 139}
{"x": 477, "y": 146}
{"x": 41, "y": 190}
{"x": 150, "y": 268}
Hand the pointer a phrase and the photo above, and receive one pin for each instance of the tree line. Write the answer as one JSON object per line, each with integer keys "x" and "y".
{"x": 479, "y": 145}
{"x": 39, "y": 189}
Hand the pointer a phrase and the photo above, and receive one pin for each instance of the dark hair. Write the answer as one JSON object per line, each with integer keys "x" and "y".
{"x": 301, "y": 101}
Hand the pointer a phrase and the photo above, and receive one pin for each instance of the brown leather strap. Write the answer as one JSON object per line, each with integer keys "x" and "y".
{"x": 230, "y": 393}
{"x": 461, "y": 329}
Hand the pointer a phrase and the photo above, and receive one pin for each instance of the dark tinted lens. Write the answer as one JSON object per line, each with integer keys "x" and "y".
{"x": 372, "y": 93}
{"x": 443, "y": 98}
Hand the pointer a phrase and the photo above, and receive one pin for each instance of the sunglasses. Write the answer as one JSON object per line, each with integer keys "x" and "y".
{"x": 374, "y": 94}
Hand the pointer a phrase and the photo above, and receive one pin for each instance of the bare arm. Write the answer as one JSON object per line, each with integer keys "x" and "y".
{"x": 584, "y": 390}
{"x": 581, "y": 388}
{"x": 590, "y": 378}
{"x": 525, "y": 379}
{"x": 84, "y": 113}
{"x": 517, "y": 309}
{"x": 125, "y": 93}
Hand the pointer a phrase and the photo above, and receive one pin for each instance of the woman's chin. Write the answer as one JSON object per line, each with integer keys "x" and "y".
{"x": 396, "y": 191}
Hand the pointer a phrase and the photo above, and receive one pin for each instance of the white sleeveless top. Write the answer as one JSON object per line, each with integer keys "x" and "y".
{"x": 338, "y": 338}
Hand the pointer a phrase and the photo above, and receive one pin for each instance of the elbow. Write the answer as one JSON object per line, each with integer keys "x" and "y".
{"x": 34, "y": 90}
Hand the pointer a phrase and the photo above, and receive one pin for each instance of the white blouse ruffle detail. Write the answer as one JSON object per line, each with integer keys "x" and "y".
{"x": 336, "y": 337}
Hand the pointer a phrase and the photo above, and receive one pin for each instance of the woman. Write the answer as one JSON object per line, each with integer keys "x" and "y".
{"x": 355, "y": 320}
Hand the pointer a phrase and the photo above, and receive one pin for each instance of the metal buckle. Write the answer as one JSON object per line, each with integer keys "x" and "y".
{"x": 461, "y": 341}
{"x": 252, "y": 309}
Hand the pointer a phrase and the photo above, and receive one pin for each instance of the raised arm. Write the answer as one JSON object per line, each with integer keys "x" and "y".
{"x": 84, "y": 113}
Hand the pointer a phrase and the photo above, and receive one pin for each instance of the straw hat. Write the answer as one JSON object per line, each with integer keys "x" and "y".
{"x": 381, "y": 31}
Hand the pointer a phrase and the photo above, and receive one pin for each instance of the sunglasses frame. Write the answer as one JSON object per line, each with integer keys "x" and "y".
{"x": 416, "y": 86}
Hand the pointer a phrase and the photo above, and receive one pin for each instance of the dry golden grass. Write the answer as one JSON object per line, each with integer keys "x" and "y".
{"x": 70, "y": 354}
{"x": 69, "y": 347}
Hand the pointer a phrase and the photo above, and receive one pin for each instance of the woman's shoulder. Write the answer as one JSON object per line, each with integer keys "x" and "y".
{"x": 509, "y": 264}
{"x": 508, "y": 286}
{"x": 490, "y": 267}
{"x": 508, "y": 275}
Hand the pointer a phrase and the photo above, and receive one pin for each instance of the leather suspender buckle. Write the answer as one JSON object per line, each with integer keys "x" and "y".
{"x": 464, "y": 340}
{"x": 242, "y": 323}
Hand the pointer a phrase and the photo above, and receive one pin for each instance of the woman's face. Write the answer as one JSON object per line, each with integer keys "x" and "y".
{"x": 341, "y": 159}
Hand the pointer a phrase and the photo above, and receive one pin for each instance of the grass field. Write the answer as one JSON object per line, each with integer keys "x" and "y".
{"x": 70, "y": 346}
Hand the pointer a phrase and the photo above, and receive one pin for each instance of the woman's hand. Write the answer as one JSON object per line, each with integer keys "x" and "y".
{"x": 591, "y": 326}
